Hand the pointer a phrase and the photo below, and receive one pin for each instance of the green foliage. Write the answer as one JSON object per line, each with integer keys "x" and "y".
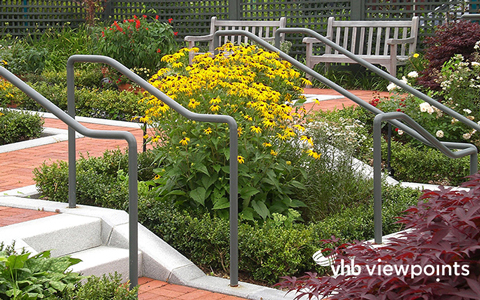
{"x": 137, "y": 42}
{"x": 90, "y": 102}
{"x": 97, "y": 179}
{"x": 105, "y": 287}
{"x": 23, "y": 58}
{"x": 16, "y": 126}
{"x": 252, "y": 86}
{"x": 435, "y": 167}
{"x": 25, "y": 276}
{"x": 278, "y": 246}
{"x": 352, "y": 77}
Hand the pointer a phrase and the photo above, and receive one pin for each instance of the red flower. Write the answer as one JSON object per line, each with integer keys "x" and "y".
{"x": 398, "y": 109}
{"x": 159, "y": 50}
{"x": 170, "y": 20}
{"x": 175, "y": 33}
{"x": 144, "y": 16}
{"x": 156, "y": 17}
{"x": 137, "y": 25}
{"x": 103, "y": 34}
{"x": 134, "y": 17}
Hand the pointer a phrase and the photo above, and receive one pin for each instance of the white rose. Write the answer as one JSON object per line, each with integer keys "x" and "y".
{"x": 391, "y": 86}
{"x": 425, "y": 107}
{"x": 467, "y": 111}
{"x": 400, "y": 132}
{"x": 474, "y": 63}
{"x": 412, "y": 74}
{"x": 439, "y": 134}
{"x": 467, "y": 136}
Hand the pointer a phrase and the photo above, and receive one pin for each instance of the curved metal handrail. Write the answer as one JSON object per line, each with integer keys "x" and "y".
{"x": 420, "y": 133}
{"x": 184, "y": 112}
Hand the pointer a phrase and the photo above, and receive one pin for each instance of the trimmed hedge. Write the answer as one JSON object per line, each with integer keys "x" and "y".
{"x": 17, "y": 126}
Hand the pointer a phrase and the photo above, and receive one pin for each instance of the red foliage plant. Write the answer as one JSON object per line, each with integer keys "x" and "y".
{"x": 449, "y": 39}
{"x": 436, "y": 257}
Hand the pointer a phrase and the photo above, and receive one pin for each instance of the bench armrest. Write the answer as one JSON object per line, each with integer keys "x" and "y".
{"x": 199, "y": 38}
{"x": 410, "y": 40}
{"x": 311, "y": 40}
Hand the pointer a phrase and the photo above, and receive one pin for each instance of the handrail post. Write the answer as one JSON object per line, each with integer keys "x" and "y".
{"x": 233, "y": 204}
{"x": 473, "y": 163}
{"x": 377, "y": 178}
{"x": 133, "y": 211}
{"x": 72, "y": 165}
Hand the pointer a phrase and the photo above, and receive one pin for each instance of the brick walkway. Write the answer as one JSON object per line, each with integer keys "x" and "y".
{"x": 16, "y": 171}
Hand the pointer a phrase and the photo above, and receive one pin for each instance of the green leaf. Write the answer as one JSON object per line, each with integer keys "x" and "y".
{"x": 261, "y": 209}
{"x": 201, "y": 167}
{"x": 222, "y": 203}
{"x": 297, "y": 184}
{"x": 199, "y": 195}
{"x": 247, "y": 214}
{"x": 207, "y": 181}
{"x": 217, "y": 168}
{"x": 297, "y": 203}
{"x": 248, "y": 191}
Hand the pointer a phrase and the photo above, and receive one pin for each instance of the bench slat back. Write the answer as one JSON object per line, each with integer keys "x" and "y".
{"x": 370, "y": 37}
{"x": 263, "y": 29}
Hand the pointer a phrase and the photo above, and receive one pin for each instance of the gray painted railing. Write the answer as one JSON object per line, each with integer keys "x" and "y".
{"x": 421, "y": 136}
{"x": 133, "y": 210}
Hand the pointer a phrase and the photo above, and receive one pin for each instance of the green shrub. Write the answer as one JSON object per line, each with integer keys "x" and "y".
{"x": 23, "y": 58}
{"x": 96, "y": 103}
{"x": 97, "y": 179}
{"x": 278, "y": 246}
{"x": 436, "y": 167}
{"x": 105, "y": 287}
{"x": 16, "y": 126}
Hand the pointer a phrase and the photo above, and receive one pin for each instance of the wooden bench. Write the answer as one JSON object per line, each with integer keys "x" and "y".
{"x": 263, "y": 29}
{"x": 386, "y": 43}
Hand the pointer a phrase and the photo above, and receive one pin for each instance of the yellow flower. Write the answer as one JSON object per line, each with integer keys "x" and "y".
{"x": 207, "y": 131}
{"x": 193, "y": 103}
{"x": 144, "y": 137}
{"x": 268, "y": 122}
{"x": 299, "y": 127}
{"x": 306, "y": 81}
{"x": 156, "y": 177}
{"x": 282, "y": 137}
{"x": 307, "y": 138}
{"x": 289, "y": 132}
{"x": 267, "y": 145}
{"x": 185, "y": 141}
{"x": 4, "y": 62}
{"x": 255, "y": 129}
{"x": 240, "y": 131}
{"x": 272, "y": 152}
{"x": 248, "y": 118}
{"x": 289, "y": 162}
{"x": 215, "y": 108}
{"x": 416, "y": 55}
{"x": 215, "y": 100}
{"x": 240, "y": 159}
{"x": 155, "y": 139}
{"x": 313, "y": 154}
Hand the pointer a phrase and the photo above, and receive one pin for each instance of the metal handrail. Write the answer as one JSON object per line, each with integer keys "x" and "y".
{"x": 73, "y": 126}
{"x": 442, "y": 146}
{"x": 133, "y": 210}
{"x": 377, "y": 160}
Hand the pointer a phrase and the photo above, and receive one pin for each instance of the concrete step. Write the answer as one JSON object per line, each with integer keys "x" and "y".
{"x": 103, "y": 260}
{"x": 62, "y": 234}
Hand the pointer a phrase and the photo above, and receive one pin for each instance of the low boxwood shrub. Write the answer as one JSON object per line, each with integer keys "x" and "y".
{"x": 98, "y": 182}
{"x": 436, "y": 258}
{"x": 274, "y": 248}
{"x": 16, "y": 126}
{"x": 95, "y": 103}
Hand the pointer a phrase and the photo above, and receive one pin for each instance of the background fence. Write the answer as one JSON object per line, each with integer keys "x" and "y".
{"x": 192, "y": 17}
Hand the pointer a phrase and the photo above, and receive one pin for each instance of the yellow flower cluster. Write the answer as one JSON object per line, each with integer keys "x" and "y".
{"x": 241, "y": 82}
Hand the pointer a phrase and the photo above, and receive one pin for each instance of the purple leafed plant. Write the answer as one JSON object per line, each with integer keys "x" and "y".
{"x": 437, "y": 257}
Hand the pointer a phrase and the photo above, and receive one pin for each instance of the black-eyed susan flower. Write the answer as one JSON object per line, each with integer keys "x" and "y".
{"x": 313, "y": 154}
{"x": 215, "y": 107}
{"x": 240, "y": 159}
{"x": 193, "y": 103}
{"x": 307, "y": 138}
{"x": 216, "y": 100}
{"x": 266, "y": 145}
{"x": 255, "y": 129}
{"x": 240, "y": 131}
{"x": 207, "y": 131}
{"x": 306, "y": 81}
{"x": 299, "y": 127}
{"x": 269, "y": 123}
{"x": 184, "y": 141}
{"x": 274, "y": 153}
